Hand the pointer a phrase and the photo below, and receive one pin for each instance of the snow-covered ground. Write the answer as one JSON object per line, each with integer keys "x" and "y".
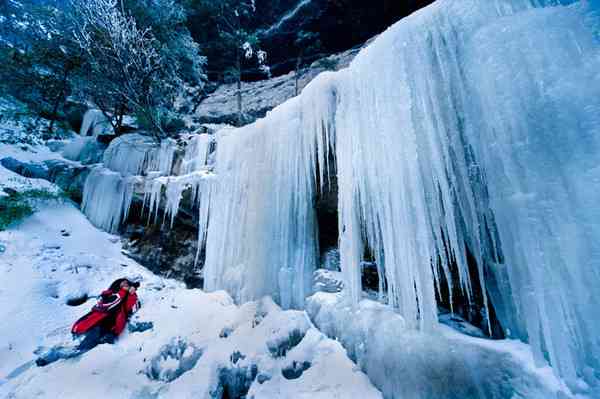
{"x": 200, "y": 346}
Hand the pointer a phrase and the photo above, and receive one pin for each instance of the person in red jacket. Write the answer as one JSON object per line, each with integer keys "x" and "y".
{"x": 111, "y": 312}
{"x": 103, "y": 324}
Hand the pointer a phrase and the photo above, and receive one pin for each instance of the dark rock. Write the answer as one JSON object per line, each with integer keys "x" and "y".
{"x": 105, "y": 138}
{"x": 262, "y": 378}
{"x": 370, "y": 276}
{"x": 66, "y": 175}
{"x": 163, "y": 250}
{"x": 74, "y": 112}
{"x": 31, "y": 170}
{"x": 236, "y": 356}
{"x": 139, "y": 326}
{"x": 281, "y": 348}
{"x": 77, "y": 300}
{"x": 295, "y": 370}
{"x": 235, "y": 382}
{"x": 69, "y": 177}
{"x": 10, "y": 191}
{"x": 326, "y": 206}
{"x": 225, "y": 332}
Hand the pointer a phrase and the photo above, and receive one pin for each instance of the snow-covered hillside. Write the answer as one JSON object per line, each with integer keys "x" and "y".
{"x": 200, "y": 346}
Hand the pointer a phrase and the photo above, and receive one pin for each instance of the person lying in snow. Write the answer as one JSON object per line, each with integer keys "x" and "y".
{"x": 102, "y": 324}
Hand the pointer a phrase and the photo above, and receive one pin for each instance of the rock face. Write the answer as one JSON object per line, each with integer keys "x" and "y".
{"x": 260, "y": 97}
{"x": 170, "y": 252}
{"x": 67, "y": 175}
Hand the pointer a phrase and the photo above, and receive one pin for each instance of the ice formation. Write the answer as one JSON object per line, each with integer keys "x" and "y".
{"x": 407, "y": 364}
{"x": 196, "y": 153}
{"x": 106, "y": 198}
{"x": 148, "y": 167}
{"x": 261, "y": 235}
{"x": 95, "y": 123}
{"x": 109, "y": 189}
{"x": 469, "y": 124}
{"x": 135, "y": 154}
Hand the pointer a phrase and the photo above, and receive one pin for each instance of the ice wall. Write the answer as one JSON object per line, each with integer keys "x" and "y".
{"x": 135, "y": 154}
{"x": 469, "y": 124}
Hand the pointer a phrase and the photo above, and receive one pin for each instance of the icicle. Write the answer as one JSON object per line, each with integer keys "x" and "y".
{"x": 196, "y": 153}
{"x": 107, "y": 197}
{"x": 261, "y": 235}
{"x": 163, "y": 159}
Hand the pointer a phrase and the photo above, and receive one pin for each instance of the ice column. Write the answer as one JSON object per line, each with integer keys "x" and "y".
{"x": 261, "y": 238}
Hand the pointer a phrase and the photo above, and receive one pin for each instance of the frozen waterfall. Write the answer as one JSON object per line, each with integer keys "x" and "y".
{"x": 469, "y": 124}
{"x": 109, "y": 189}
{"x": 470, "y": 127}
{"x": 261, "y": 231}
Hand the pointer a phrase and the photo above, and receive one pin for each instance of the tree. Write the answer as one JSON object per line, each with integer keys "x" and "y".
{"x": 122, "y": 61}
{"x": 38, "y": 60}
{"x": 167, "y": 21}
{"x": 126, "y": 67}
{"x": 235, "y": 38}
{"x": 232, "y": 22}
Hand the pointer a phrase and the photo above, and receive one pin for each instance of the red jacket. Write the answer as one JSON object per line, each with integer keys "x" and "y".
{"x": 119, "y": 305}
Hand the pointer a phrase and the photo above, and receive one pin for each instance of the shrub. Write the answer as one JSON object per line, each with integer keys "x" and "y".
{"x": 16, "y": 206}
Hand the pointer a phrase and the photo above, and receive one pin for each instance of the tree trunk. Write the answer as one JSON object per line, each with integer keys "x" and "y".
{"x": 119, "y": 119}
{"x": 239, "y": 87}
{"x": 297, "y": 75}
{"x": 62, "y": 91}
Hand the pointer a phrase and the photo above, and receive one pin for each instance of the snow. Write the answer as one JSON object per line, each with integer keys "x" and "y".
{"x": 86, "y": 150}
{"x": 405, "y": 363}
{"x": 185, "y": 355}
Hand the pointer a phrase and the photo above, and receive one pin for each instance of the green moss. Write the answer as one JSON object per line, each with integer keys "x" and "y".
{"x": 18, "y": 205}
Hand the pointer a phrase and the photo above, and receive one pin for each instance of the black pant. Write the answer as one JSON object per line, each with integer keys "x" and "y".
{"x": 96, "y": 336}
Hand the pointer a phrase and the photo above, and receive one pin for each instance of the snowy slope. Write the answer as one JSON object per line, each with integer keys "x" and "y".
{"x": 200, "y": 345}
